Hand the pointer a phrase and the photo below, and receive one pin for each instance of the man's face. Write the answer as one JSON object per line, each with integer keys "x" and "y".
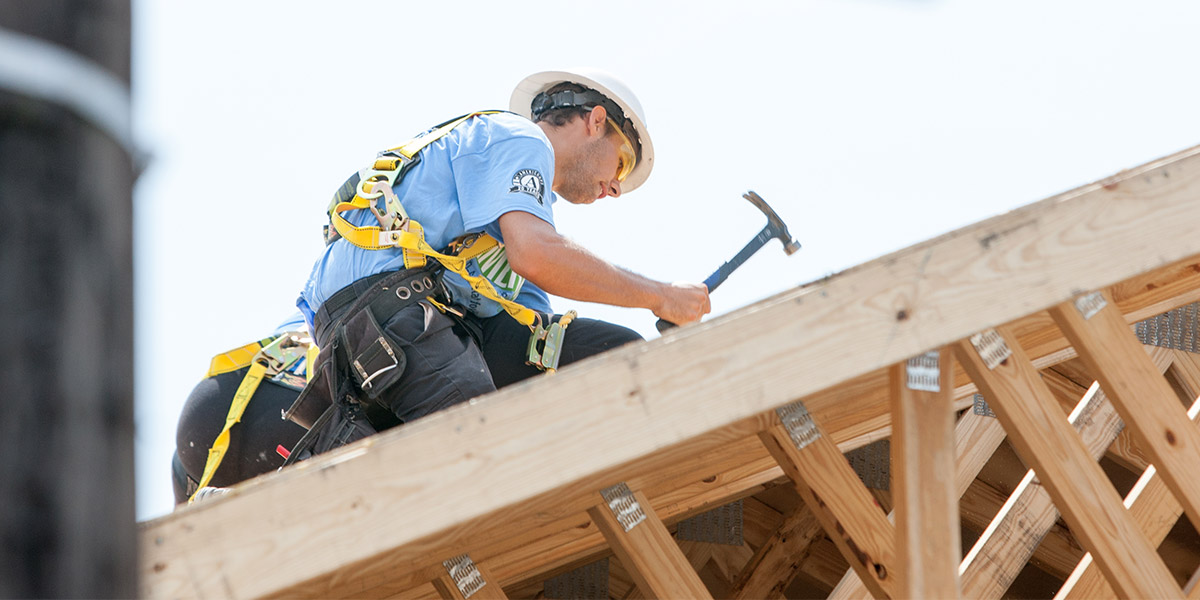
{"x": 591, "y": 172}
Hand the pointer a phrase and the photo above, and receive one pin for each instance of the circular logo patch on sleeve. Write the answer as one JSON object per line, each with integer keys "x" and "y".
{"x": 528, "y": 181}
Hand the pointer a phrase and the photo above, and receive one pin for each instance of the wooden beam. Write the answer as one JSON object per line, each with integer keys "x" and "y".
{"x": 1002, "y": 551}
{"x": 523, "y": 448}
{"x": 729, "y": 562}
{"x": 1144, "y": 399}
{"x": 1056, "y": 554}
{"x": 976, "y": 438}
{"x": 928, "y": 544}
{"x": 644, "y": 545}
{"x": 1080, "y": 490}
{"x": 775, "y": 563}
{"x": 1124, "y": 451}
{"x": 1150, "y": 502}
{"x": 836, "y": 496}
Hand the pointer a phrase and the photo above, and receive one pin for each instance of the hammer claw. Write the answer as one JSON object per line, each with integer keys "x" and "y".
{"x": 775, "y": 228}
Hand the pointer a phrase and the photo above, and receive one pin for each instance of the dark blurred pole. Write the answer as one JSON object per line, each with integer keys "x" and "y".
{"x": 66, "y": 301}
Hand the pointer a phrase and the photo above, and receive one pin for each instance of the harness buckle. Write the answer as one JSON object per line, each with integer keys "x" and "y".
{"x": 393, "y": 216}
{"x": 284, "y": 352}
{"x": 552, "y": 338}
{"x": 362, "y": 371}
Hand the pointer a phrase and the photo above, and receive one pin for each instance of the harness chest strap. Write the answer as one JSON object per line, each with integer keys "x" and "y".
{"x": 396, "y": 230}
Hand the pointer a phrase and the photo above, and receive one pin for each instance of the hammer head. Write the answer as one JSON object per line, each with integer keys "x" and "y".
{"x": 774, "y": 223}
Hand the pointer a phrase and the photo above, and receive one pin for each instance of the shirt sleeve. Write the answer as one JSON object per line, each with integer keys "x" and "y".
{"x": 512, "y": 174}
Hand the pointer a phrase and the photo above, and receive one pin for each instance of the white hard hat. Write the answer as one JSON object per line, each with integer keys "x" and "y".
{"x": 614, "y": 90}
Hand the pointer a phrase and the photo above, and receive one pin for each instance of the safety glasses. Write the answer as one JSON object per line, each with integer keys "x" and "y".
{"x": 625, "y": 153}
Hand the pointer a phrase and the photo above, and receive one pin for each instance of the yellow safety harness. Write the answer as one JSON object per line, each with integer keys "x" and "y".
{"x": 397, "y": 230}
{"x": 268, "y": 357}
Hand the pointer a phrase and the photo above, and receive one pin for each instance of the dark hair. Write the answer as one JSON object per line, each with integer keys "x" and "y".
{"x": 561, "y": 116}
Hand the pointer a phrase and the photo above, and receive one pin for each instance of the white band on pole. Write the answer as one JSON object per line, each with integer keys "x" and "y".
{"x": 43, "y": 70}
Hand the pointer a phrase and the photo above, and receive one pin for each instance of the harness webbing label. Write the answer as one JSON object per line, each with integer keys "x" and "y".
{"x": 493, "y": 264}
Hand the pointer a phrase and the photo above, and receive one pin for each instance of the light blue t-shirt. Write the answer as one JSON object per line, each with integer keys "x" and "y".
{"x": 294, "y": 322}
{"x": 485, "y": 167}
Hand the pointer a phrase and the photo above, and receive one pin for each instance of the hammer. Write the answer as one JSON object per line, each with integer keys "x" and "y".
{"x": 775, "y": 228}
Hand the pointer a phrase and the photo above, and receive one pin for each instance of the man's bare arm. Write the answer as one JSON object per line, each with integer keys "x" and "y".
{"x": 563, "y": 268}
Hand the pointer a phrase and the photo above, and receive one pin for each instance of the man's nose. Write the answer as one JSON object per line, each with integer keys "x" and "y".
{"x": 614, "y": 188}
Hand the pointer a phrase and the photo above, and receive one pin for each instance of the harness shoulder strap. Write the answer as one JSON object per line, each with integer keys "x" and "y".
{"x": 397, "y": 230}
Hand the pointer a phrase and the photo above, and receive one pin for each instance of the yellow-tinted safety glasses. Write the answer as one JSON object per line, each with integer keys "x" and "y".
{"x": 625, "y": 153}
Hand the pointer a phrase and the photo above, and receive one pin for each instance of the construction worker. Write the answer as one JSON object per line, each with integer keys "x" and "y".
{"x": 219, "y": 440}
{"x": 441, "y": 237}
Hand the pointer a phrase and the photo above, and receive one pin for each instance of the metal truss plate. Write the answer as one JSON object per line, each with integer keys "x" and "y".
{"x": 465, "y": 574}
{"x": 1090, "y": 304}
{"x": 799, "y": 424}
{"x": 589, "y": 582}
{"x": 991, "y": 348}
{"x": 980, "y": 406}
{"x": 923, "y": 372}
{"x": 722, "y": 525}
{"x": 623, "y": 505}
{"x": 873, "y": 464}
{"x": 1175, "y": 329}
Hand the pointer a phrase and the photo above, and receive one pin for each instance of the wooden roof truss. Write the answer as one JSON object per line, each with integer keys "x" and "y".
{"x": 1002, "y": 390}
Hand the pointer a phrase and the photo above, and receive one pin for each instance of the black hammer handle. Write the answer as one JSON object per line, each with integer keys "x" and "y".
{"x": 721, "y": 274}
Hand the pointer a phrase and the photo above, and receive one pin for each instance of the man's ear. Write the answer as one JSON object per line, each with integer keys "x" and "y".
{"x": 597, "y": 121}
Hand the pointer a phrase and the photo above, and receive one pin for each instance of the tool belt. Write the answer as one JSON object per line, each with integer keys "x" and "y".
{"x": 359, "y": 359}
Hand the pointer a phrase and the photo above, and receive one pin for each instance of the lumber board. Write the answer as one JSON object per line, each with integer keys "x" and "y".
{"x": 773, "y": 566}
{"x": 646, "y": 548}
{"x": 402, "y": 501}
{"x": 537, "y": 559}
{"x": 729, "y": 562}
{"x": 1002, "y": 551}
{"x": 1124, "y": 451}
{"x": 1141, "y": 395}
{"x": 1150, "y": 502}
{"x": 708, "y": 481}
{"x": 928, "y": 546}
{"x": 836, "y": 496}
{"x": 1056, "y": 553}
{"x": 1082, "y": 493}
{"x": 760, "y": 520}
{"x": 976, "y": 438}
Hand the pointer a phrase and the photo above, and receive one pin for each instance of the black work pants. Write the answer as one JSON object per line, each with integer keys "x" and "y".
{"x": 506, "y": 344}
{"x": 252, "y": 442}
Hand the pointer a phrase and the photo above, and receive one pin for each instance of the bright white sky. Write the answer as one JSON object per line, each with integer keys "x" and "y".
{"x": 869, "y": 125}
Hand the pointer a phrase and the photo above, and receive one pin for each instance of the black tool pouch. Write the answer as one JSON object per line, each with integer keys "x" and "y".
{"x": 328, "y": 407}
{"x": 347, "y": 423}
{"x": 318, "y": 393}
{"x": 375, "y": 359}
{"x": 342, "y": 422}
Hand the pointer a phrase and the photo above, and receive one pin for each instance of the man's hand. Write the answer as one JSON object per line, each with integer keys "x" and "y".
{"x": 683, "y": 303}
